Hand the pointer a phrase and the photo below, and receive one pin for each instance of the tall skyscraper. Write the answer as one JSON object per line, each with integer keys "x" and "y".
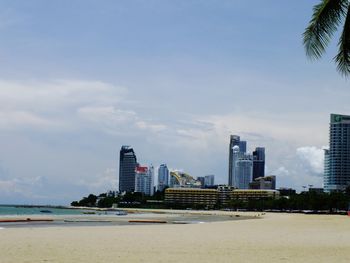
{"x": 127, "y": 166}
{"x": 163, "y": 177}
{"x": 243, "y": 171}
{"x": 242, "y": 147}
{"x": 144, "y": 179}
{"x": 258, "y": 162}
{"x": 337, "y": 174}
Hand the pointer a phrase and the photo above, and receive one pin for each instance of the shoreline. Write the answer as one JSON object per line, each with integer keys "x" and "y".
{"x": 133, "y": 216}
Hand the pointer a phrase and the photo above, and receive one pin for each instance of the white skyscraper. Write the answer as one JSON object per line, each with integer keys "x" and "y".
{"x": 163, "y": 177}
{"x": 144, "y": 180}
{"x": 242, "y": 169}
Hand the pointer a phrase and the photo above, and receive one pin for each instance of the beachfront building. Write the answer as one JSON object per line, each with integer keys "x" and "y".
{"x": 224, "y": 194}
{"x": 144, "y": 180}
{"x": 215, "y": 197}
{"x": 248, "y": 194}
{"x": 191, "y": 196}
{"x": 127, "y": 166}
{"x": 163, "y": 177}
{"x": 337, "y": 172}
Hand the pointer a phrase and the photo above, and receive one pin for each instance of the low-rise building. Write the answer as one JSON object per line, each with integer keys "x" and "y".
{"x": 224, "y": 194}
{"x": 215, "y": 197}
{"x": 191, "y": 196}
{"x": 247, "y": 194}
{"x": 267, "y": 182}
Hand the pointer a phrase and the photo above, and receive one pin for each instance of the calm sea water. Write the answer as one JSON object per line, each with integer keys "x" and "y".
{"x": 21, "y": 210}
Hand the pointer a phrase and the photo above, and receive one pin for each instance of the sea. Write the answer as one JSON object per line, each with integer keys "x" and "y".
{"x": 18, "y": 210}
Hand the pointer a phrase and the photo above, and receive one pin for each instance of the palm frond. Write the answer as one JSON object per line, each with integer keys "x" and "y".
{"x": 343, "y": 56}
{"x": 324, "y": 22}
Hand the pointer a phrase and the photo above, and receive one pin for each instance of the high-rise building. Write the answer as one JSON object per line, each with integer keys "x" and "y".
{"x": 163, "y": 177}
{"x": 242, "y": 168}
{"x": 235, "y": 141}
{"x": 127, "y": 165}
{"x": 144, "y": 179}
{"x": 337, "y": 176}
{"x": 209, "y": 180}
{"x": 243, "y": 171}
{"x": 258, "y": 162}
{"x": 233, "y": 161}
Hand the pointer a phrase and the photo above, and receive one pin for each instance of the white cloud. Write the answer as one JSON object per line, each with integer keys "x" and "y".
{"x": 21, "y": 187}
{"x": 143, "y": 125}
{"x": 53, "y": 104}
{"x": 102, "y": 182}
{"x": 19, "y": 119}
{"x": 69, "y": 105}
{"x": 313, "y": 157}
{"x": 108, "y": 112}
{"x": 57, "y": 95}
{"x": 281, "y": 172}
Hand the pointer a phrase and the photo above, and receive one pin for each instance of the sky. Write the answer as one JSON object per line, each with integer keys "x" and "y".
{"x": 173, "y": 79}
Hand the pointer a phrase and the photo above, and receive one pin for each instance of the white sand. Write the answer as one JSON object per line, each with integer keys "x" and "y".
{"x": 275, "y": 238}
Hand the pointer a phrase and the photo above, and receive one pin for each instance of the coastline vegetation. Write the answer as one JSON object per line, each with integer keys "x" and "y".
{"x": 312, "y": 201}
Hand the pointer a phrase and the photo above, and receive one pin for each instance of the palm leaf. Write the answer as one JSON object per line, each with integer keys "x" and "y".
{"x": 324, "y": 22}
{"x": 343, "y": 56}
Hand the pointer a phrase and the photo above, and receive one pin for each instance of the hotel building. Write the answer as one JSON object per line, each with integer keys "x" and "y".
{"x": 337, "y": 159}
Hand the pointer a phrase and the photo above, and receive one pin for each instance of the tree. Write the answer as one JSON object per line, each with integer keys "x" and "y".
{"x": 326, "y": 18}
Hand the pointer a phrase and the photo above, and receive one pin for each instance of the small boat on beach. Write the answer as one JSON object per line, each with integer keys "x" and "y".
{"x": 121, "y": 213}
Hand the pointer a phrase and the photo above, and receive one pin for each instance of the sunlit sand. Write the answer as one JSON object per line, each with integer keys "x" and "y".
{"x": 271, "y": 238}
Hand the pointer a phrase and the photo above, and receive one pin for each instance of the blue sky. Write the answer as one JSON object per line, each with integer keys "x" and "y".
{"x": 173, "y": 79}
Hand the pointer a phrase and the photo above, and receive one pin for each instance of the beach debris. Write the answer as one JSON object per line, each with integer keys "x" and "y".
{"x": 148, "y": 221}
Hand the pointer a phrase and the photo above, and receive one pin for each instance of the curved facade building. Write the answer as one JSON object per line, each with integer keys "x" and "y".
{"x": 337, "y": 169}
{"x": 127, "y": 166}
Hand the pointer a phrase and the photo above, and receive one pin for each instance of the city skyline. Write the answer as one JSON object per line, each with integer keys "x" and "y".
{"x": 172, "y": 79}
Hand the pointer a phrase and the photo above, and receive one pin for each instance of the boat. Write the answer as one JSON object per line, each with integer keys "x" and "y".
{"x": 46, "y": 211}
{"x": 121, "y": 213}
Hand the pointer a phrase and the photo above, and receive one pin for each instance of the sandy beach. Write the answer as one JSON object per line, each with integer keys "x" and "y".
{"x": 269, "y": 238}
